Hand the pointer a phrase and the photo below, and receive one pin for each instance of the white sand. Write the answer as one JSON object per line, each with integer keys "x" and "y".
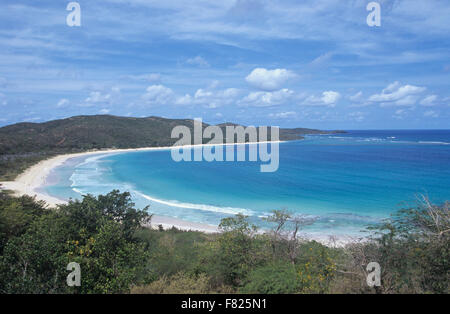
{"x": 29, "y": 182}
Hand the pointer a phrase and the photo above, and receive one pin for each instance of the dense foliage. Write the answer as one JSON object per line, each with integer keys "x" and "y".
{"x": 107, "y": 236}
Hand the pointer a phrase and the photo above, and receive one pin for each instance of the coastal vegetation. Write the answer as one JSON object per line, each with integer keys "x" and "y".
{"x": 119, "y": 253}
{"x": 24, "y": 144}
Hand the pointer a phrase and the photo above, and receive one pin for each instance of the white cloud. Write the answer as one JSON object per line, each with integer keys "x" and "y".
{"x": 328, "y": 99}
{"x": 98, "y": 97}
{"x": 198, "y": 61}
{"x": 357, "y": 100}
{"x": 184, "y": 100}
{"x": 267, "y": 99}
{"x": 431, "y": 114}
{"x": 210, "y": 98}
{"x": 357, "y": 97}
{"x": 62, "y": 103}
{"x": 400, "y": 114}
{"x": 158, "y": 95}
{"x": 397, "y": 95}
{"x": 201, "y": 93}
{"x": 231, "y": 92}
{"x": 269, "y": 80}
{"x": 429, "y": 101}
{"x": 95, "y": 98}
{"x": 406, "y": 101}
{"x": 104, "y": 111}
{"x": 283, "y": 115}
{"x": 391, "y": 87}
{"x": 322, "y": 59}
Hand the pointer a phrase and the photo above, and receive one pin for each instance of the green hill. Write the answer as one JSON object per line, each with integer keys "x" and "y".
{"x": 23, "y": 144}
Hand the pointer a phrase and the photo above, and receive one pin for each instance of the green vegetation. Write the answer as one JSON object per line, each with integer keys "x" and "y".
{"x": 117, "y": 254}
{"x": 24, "y": 144}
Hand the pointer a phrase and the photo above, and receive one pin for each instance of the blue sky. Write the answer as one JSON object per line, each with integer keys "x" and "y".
{"x": 287, "y": 63}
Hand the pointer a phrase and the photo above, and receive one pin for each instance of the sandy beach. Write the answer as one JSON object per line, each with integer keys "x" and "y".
{"x": 35, "y": 177}
{"x": 29, "y": 182}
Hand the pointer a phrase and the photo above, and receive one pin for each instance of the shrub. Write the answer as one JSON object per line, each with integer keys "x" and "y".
{"x": 276, "y": 278}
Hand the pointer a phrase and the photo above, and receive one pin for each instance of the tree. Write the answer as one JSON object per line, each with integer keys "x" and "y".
{"x": 298, "y": 223}
{"x": 109, "y": 262}
{"x": 115, "y": 206}
{"x": 35, "y": 261}
{"x": 97, "y": 233}
{"x": 413, "y": 249}
{"x": 316, "y": 268}
{"x": 235, "y": 248}
{"x": 16, "y": 214}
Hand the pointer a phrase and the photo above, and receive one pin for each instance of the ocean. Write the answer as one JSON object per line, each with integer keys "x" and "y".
{"x": 342, "y": 181}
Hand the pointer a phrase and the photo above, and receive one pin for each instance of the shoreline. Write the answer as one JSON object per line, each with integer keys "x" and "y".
{"x": 32, "y": 179}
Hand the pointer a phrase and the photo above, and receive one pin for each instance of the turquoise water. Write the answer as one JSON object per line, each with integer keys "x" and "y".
{"x": 344, "y": 181}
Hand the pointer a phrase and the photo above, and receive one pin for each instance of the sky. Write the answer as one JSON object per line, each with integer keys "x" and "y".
{"x": 287, "y": 63}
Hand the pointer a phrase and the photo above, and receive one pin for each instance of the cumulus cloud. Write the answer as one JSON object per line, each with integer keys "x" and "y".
{"x": 158, "y": 95}
{"x": 269, "y": 80}
{"x": 330, "y": 97}
{"x": 397, "y": 95}
{"x": 98, "y": 97}
{"x": 184, "y": 100}
{"x": 327, "y": 99}
{"x": 95, "y": 98}
{"x": 267, "y": 99}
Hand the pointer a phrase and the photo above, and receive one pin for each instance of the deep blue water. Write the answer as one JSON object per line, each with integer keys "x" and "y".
{"x": 345, "y": 181}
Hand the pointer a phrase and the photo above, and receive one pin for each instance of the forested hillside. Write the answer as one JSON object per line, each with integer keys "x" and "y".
{"x": 104, "y": 235}
{"x": 23, "y": 144}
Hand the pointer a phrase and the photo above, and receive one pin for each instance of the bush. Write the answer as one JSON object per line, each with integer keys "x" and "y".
{"x": 277, "y": 278}
{"x": 316, "y": 268}
{"x": 97, "y": 233}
